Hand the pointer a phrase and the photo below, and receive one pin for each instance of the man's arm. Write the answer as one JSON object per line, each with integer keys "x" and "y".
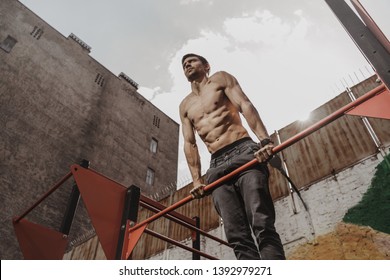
{"x": 238, "y": 98}
{"x": 192, "y": 154}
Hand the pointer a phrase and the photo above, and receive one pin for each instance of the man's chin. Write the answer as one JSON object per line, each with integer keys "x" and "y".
{"x": 192, "y": 77}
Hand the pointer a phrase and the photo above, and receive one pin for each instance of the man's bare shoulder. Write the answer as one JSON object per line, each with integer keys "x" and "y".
{"x": 220, "y": 74}
{"x": 222, "y": 77}
{"x": 184, "y": 103}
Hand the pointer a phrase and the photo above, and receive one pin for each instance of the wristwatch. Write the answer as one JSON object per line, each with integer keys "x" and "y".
{"x": 266, "y": 141}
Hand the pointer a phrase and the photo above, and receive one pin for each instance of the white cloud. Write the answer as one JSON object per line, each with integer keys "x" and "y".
{"x": 187, "y": 2}
{"x": 278, "y": 65}
{"x": 262, "y": 27}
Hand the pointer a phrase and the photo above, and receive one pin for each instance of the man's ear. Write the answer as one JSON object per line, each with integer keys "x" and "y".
{"x": 207, "y": 66}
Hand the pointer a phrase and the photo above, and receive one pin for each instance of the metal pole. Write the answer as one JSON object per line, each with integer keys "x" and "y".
{"x": 196, "y": 240}
{"x": 129, "y": 214}
{"x": 178, "y": 244}
{"x": 56, "y": 186}
{"x": 72, "y": 205}
{"x": 332, "y": 117}
{"x": 369, "y": 44}
{"x": 290, "y": 189}
{"x": 185, "y": 224}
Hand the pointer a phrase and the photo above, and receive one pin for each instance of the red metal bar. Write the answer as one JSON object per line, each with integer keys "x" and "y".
{"x": 332, "y": 117}
{"x": 189, "y": 226}
{"x": 163, "y": 212}
{"x": 147, "y": 202}
{"x": 174, "y": 242}
{"x": 56, "y": 186}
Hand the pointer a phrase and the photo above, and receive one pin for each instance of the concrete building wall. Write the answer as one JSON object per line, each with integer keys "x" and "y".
{"x": 58, "y": 105}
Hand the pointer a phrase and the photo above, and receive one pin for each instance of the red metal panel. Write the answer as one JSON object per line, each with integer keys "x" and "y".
{"x": 376, "y": 107}
{"x": 104, "y": 200}
{"x": 132, "y": 239}
{"x": 381, "y": 127}
{"x": 39, "y": 243}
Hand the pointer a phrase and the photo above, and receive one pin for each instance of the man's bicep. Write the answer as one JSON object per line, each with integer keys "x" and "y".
{"x": 237, "y": 97}
{"x": 234, "y": 91}
{"x": 188, "y": 131}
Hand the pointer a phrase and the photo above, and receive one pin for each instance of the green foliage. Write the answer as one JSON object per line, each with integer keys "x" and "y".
{"x": 374, "y": 208}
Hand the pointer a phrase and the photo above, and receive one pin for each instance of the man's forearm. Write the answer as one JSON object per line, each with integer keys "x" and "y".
{"x": 193, "y": 160}
{"x": 254, "y": 121}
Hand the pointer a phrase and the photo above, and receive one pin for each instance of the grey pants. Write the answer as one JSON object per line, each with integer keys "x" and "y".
{"x": 245, "y": 203}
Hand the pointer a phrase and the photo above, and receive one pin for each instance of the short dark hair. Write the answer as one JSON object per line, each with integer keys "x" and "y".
{"x": 204, "y": 60}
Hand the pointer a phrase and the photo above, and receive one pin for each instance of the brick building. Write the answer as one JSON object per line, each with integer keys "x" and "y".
{"x": 58, "y": 105}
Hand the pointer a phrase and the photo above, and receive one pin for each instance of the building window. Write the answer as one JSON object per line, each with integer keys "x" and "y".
{"x": 153, "y": 145}
{"x": 150, "y": 177}
{"x": 99, "y": 79}
{"x": 156, "y": 121}
{"x": 36, "y": 32}
{"x": 8, "y": 44}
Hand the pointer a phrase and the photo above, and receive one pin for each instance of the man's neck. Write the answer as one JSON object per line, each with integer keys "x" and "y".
{"x": 197, "y": 84}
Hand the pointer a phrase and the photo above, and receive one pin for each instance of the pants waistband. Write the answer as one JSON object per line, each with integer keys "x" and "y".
{"x": 227, "y": 148}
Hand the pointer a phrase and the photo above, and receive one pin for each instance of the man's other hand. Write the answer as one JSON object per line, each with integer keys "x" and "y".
{"x": 198, "y": 191}
{"x": 265, "y": 153}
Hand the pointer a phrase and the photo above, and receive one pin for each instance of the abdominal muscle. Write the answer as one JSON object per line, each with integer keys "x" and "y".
{"x": 218, "y": 131}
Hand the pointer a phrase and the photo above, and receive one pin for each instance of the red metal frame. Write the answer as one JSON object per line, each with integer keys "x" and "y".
{"x": 104, "y": 200}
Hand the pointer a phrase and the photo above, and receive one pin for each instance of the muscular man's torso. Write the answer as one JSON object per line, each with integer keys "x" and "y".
{"x": 213, "y": 116}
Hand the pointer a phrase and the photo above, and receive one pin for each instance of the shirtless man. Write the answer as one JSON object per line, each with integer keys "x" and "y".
{"x": 212, "y": 110}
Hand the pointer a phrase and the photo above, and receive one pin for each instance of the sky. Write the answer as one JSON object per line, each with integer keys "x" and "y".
{"x": 289, "y": 57}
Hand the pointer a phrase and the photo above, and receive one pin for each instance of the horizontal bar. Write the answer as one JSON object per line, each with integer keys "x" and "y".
{"x": 168, "y": 215}
{"x": 49, "y": 192}
{"x": 189, "y": 226}
{"x": 160, "y": 207}
{"x": 163, "y": 212}
{"x": 174, "y": 242}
